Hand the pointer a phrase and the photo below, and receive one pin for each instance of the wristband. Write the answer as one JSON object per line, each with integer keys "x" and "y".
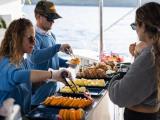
{"x": 51, "y": 74}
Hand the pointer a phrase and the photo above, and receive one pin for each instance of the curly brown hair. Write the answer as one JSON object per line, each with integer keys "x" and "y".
{"x": 11, "y": 45}
{"x": 149, "y": 15}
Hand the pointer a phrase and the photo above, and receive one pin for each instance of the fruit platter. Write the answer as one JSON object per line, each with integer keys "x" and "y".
{"x": 97, "y": 70}
{"x": 68, "y": 102}
{"x": 55, "y": 113}
{"x": 83, "y": 92}
{"x": 91, "y": 82}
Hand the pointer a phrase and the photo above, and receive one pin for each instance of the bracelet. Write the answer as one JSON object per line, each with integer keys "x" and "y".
{"x": 51, "y": 75}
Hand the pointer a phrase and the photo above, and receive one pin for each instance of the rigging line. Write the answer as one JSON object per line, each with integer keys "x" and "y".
{"x": 121, "y": 18}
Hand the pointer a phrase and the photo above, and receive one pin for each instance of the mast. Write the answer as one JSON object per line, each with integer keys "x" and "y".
{"x": 101, "y": 28}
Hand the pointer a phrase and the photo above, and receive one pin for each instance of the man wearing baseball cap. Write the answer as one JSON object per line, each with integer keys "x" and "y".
{"x": 47, "y": 9}
{"x": 44, "y": 55}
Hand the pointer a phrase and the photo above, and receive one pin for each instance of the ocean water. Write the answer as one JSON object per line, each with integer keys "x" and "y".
{"x": 80, "y": 27}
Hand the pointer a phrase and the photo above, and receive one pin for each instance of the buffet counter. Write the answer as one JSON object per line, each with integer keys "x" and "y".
{"x": 66, "y": 102}
{"x": 100, "y": 109}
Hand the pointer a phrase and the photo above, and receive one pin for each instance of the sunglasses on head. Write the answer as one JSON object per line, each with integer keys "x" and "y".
{"x": 31, "y": 39}
{"x": 133, "y": 26}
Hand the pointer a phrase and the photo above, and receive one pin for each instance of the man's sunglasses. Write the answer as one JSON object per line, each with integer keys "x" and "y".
{"x": 31, "y": 39}
{"x": 133, "y": 26}
{"x": 49, "y": 18}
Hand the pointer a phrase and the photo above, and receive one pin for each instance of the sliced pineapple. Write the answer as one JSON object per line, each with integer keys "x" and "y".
{"x": 67, "y": 89}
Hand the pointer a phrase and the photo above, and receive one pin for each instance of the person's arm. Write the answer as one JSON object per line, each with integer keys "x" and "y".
{"x": 40, "y": 75}
{"x": 136, "y": 85}
{"x": 62, "y": 62}
{"x": 41, "y": 55}
{"x": 20, "y": 76}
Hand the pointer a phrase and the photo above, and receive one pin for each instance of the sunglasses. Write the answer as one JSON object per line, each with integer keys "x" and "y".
{"x": 31, "y": 39}
{"x": 49, "y": 18}
{"x": 133, "y": 26}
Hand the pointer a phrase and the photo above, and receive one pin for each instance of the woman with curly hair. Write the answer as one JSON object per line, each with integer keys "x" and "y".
{"x": 16, "y": 78}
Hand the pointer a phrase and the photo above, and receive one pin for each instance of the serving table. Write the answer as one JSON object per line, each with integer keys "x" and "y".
{"x": 101, "y": 109}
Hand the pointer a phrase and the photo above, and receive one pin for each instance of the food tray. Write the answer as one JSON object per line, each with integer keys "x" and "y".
{"x": 123, "y": 67}
{"x": 119, "y": 75}
{"x": 107, "y": 78}
{"x": 95, "y": 92}
{"x": 57, "y": 102}
{"x": 72, "y": 94}
{"x": 102, "y": 87}
{"x": 127, "y": 64}
{"x": 45, "y": 113}
{"x": 110, "y": 76}
{"x": 66, "y": 107}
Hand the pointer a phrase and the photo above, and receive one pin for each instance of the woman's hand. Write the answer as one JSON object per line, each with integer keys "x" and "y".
{"x": 139, "y": 47}
{"x": 132, "y": 49}
{"x": 57, "y": 75}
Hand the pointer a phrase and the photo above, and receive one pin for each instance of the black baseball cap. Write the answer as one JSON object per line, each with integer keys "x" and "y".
{"x": 47, "y": 9}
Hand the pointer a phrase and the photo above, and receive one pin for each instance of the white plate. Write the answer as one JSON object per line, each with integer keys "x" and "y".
{"x": 71, "y": 65}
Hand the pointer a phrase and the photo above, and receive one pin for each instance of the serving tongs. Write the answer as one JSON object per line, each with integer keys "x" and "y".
{"x": 64, "y": 74}
{"x": 71, "y": 53}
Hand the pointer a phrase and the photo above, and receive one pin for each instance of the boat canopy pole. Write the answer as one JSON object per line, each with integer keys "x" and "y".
{"x": 101, "y": 28}
{"x": 139, "y": 3}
